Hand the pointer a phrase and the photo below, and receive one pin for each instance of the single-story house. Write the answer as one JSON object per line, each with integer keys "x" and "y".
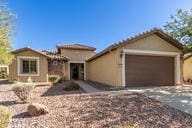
{"x": 187, "y": 67}
{"x": 68, "y": 61}
{"x": 150, "y": 58}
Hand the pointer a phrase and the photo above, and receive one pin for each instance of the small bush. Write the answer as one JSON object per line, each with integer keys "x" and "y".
{"x": 5, "y": 116}
{"x": 55, "y": 79}
{"x": 16, "y": 81}
{"x": 23, "y": 91}
{"x": 30, "y": 80}
{"x": 70, "y": 86}
{"x": 3, "y": 75}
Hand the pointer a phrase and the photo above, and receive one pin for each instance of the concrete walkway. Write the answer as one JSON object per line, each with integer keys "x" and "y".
{"x": 179, "y": 97}
{"x": 86, "y": 87}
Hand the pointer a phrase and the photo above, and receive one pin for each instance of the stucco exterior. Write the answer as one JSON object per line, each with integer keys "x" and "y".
{"x": 103, "y": 69}
{"x": 106, "y": 67}
{"x": 153, "y": 43}
{"x": 187, "y": 69}
{"x": 77, "y": 55}
{"x": 109, "y": 65}
{"x": 43, "y": 68}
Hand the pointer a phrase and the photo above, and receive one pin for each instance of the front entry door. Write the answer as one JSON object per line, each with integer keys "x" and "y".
{"x": 77, "y": 71}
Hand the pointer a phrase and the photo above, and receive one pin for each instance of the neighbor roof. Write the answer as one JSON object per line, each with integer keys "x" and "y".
{"x": 156, "y": 31}
{"x": 75, "y": 46}
{"x": 187, "y": 55}
{"x": 54, "y": 55}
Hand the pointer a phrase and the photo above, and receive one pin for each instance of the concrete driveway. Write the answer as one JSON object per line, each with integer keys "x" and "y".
{"x": 179, "y": 97}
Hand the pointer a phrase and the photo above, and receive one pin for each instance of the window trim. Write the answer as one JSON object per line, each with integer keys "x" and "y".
{"x": 19, "y": 58}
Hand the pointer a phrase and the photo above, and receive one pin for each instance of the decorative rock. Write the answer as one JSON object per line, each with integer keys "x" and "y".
{"x": 36, "y": 109}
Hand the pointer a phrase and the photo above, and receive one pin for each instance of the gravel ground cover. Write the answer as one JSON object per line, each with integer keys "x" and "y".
{"x": 103, "y": 87}
{"x": 93, "y": 110}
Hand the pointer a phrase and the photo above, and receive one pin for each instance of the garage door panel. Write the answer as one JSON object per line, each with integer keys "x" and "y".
{"x": 149, "y": 70}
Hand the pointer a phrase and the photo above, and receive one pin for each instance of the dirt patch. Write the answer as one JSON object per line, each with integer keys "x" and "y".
{"x": 98, "y": 110}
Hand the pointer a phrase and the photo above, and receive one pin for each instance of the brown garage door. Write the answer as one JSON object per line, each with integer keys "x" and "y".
{"x": 149, "y": 70}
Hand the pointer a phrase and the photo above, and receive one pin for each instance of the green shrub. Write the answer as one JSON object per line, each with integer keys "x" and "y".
{"x": 23, "y": 91}
{"x": 55, "y": 79}
{"x": 3, "y": 75}
{"x": 5, "y": 116}
{"x": 70, "y": 86}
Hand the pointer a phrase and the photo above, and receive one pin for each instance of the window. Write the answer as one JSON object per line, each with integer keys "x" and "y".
{"x": 54, "y": 62}
{"x": 28, "y": 65}
{"x": 25, "y": 67}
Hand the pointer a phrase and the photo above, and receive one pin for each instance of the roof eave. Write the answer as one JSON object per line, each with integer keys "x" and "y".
{"x": 26, "y": 48}
{"x": 156, "y": 31}
{"x": 60, "y": 47}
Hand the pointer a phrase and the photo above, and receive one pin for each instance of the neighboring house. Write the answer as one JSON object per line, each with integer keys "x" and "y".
{"x": 187, "y": 67}
{"x": 67, "y": 61}
{"x": 151, "y": 58}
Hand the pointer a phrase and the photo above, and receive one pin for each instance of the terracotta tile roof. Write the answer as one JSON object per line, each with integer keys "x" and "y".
{"x": 156, "y": 31}
{"x": 75, "y": 46}
{"x": 54, "y": 55}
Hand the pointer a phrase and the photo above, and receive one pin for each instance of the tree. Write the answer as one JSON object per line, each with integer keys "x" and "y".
{"x": 180, "y": 28}
{"x": 6, "y": 33}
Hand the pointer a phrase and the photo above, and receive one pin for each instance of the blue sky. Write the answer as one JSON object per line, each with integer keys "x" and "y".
{"x": 42, "y": 24}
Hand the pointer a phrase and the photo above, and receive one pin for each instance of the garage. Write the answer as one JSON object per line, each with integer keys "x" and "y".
{"x": 142, "y": 70}
{"x": 152, "y": 58}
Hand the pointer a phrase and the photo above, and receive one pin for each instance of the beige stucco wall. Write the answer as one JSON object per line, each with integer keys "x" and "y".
{"x": 103, "y": 69}
{"x": 187, "y": 69}
{"x": 77, "y": 55}
{"x": 43, "y": 67}
{"x": 108, "y": 68}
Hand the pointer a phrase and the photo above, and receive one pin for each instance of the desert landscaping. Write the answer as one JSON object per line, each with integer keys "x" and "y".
{"x": 97, "y": 110}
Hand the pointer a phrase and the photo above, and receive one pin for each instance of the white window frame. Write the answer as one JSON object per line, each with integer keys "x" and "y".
{"x": 69, "y": 67}
{"x": 27, "y": 57}
{"x": 176, "y": 55}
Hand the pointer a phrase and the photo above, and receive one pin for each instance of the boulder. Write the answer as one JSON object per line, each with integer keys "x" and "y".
{"x": 36, "y": 109}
